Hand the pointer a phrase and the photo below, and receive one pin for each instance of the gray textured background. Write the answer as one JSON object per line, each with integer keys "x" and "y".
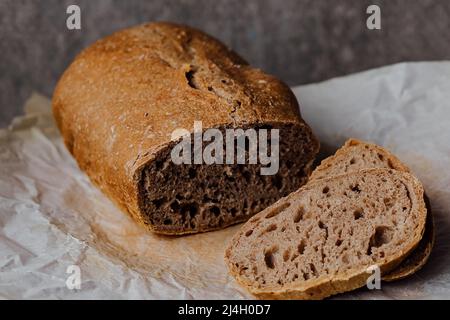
{"x": 299, "y": 41}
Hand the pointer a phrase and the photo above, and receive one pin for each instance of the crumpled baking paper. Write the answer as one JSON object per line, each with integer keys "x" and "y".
{"x": 52, "y": 218}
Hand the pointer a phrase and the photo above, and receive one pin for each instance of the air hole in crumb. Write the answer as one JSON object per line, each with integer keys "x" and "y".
{"x": 175, "y": 206}
{"x": 322, "y": 225}
{"x": 167, "y": 222}
{"x": 326, "y": 190}
{"x": 159, "y": 202}
{"x": 358, "y": 214}
{"x": 355, "y": 188}
{"x": 352, "y": 161}
{"x": 277, "y": 181}
{"x": 271, "y": 228}
{"x": 190, "y": 78}
{"x": 215, "y": 210}
{"x": 390, "y": 165}
{"x": 192, "y": 173}
{"x": 179, "y": 196}
{"x": 301, "y": 247}
{"x": 249, "y": 233}
{"x": 269, "y": 257}
{"x": 338, "y": 242}
{"x": 381, "y": 236}
{"x": 299, "y": 214}
{"x": 205, "y": 199}
{"x": 189, "y": 208}
{"x": 313, "y": 269}
{"x": 387, "y": 202}
{"x": 380, "y": 156}
{"x": 283, "y": 229}
{"x": 254, "y": 219}
{"x": 247, "y": 176}
{"x": 286, "y": 255}
{"x": 289, "y": 164}
{"x": 277, "y": 210}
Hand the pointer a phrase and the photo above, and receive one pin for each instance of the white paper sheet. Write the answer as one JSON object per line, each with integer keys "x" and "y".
{"x": 51, "y": 217}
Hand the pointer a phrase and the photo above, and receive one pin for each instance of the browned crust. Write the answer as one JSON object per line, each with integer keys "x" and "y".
{"x": 418, "y": 258}
{"x": 322, "y": 288}
{"x": 119, "y": 101}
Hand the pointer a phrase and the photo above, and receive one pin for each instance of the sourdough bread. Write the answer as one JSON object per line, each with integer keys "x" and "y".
{"x": 357, "y": 155}
{"x": 321, "y": 239}
{"x": 119, "y": 102}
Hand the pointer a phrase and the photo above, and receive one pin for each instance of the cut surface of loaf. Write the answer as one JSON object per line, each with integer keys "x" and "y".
{"x": 321, "y": 239}
{"x": 119, "y": 102}
{"x": 191, "y": 198}
{"x": 357, "y": 155}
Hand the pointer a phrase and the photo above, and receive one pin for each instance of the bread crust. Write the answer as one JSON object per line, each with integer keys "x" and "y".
{"x": 347, "y": 281}
{"x": 119, "y": 101}
{"x": 418, "y": 258}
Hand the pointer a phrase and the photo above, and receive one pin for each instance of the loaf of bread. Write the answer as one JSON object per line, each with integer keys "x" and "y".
{"x": 357, "y": 155}
{"x": 119, "y": 103}
{"x": 324, "y": 238}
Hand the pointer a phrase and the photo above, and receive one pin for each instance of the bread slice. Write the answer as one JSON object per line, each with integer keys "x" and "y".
{"x": 356, "y": 155}
{"x": 120, "y": 101}
{"x": 321, "y": 239}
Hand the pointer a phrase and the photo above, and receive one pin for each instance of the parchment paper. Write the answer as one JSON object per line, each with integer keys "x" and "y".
{"x": 51, "y": 217}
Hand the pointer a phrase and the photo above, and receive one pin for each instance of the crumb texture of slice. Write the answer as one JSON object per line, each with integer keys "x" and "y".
{"x": 320, "y": 240}
{"x": 357, "y": 155}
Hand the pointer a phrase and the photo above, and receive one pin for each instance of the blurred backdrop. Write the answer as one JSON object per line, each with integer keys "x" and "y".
{"x": 300, "y": 41}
